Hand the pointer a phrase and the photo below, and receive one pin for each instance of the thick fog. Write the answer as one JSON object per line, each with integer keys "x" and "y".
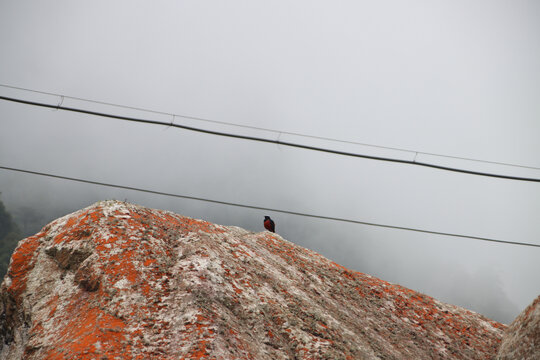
{"x": 457, "y": 78}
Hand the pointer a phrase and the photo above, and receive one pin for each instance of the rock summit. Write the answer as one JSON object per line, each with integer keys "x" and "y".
{"x": 120, "y": 281}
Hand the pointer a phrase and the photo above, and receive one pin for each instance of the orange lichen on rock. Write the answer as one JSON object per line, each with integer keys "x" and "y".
{"x": 22, "y": 262}
{"x": 96, "y": 333}
{"x": 119, "y": 281}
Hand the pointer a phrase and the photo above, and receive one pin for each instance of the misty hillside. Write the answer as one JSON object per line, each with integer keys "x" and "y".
{"x": 9, "y": 236}
{"x": 116, "y": 281}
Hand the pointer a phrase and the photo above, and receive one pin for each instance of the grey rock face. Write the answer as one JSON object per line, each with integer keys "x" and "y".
{"x": 521, "y": 340}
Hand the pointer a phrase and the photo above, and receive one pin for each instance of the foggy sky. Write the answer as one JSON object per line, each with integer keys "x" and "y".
{"x": 458, "y": 78}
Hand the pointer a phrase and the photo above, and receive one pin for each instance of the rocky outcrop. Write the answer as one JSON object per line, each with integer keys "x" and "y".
{"x": 119, "y": 281}
{"x": 521, "y": 340}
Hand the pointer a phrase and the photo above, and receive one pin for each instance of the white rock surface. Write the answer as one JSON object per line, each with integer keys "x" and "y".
{"x": 119, "y": 281}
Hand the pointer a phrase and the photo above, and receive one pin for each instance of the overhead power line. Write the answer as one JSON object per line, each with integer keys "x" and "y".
{"x": 271, "y": 141}
{"x": 267, "y": 209}
{"x": 277, "y": 132}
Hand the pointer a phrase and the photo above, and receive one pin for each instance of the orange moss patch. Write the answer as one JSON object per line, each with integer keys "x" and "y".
{"x": 53, "y": 304}
{"x": 76, "y": 228}
{"x": 22, "y": 262}
{"x": 87, "y": 327}
{"x": 200, "y": 334}
{"x": 71, "y": 221}
{"x": 149, "y": 262}
{"x": 121, "y": 265}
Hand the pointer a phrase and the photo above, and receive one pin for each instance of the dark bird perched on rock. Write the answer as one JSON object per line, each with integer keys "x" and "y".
{"x": 269, "y": 224}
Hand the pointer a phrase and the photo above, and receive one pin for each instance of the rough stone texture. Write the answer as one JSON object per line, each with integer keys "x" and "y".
{"x": 119, "y": 281}
{"x": 521, "y": 340}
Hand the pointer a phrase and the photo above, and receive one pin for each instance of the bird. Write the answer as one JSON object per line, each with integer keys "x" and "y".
{"x": 269, "y": 224}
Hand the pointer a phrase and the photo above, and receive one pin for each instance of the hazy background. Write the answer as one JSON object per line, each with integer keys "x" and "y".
{"x": 459, "y": 78}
